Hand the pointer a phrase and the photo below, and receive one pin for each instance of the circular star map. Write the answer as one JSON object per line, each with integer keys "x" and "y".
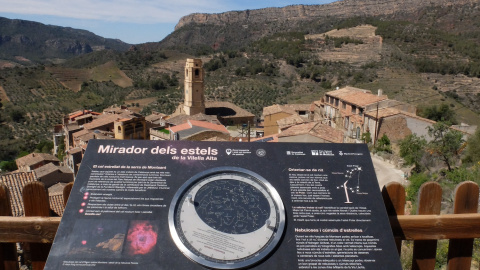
{"x": 226, "y": 218}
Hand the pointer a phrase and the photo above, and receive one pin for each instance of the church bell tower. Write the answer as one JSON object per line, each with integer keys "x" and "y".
{"x": 194, "y": 87}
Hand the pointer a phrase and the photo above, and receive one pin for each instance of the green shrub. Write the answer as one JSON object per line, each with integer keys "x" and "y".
{"x": 416, "y": 180}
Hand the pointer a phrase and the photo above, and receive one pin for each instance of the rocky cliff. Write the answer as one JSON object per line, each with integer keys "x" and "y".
{"x": 340, "y": 9}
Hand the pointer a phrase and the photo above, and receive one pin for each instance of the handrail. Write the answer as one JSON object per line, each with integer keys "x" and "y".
{"x": 408, "y": 227}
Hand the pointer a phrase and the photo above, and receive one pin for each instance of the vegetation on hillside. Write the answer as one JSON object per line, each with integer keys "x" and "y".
{"x": 254, "y": 67}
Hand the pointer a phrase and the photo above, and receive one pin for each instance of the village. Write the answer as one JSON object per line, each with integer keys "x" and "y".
{"x": 344, "y": 115}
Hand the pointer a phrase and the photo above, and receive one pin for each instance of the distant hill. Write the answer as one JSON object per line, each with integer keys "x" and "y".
{"x": 235, "y": 29}
{"x": 26, "y": 41}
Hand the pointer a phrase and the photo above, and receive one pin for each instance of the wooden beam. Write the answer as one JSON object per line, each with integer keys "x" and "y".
{"x": 28, "y": 229}
{"x": 436, "y": 227}
{"x": 409, "y": 227}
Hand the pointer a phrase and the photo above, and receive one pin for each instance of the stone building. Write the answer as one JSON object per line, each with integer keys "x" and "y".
{"x": 289, "y": 114}
{"x": 312, "y": 132}
{"x": 356, "y": 111}
{"x": 51, "y": 174}
{"x": 194, "y": 99}
{"x": 34, "y": 161}
{"x": 194, "y": 87}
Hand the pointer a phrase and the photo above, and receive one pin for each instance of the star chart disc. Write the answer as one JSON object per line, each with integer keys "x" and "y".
{"x": 226, "y": 218}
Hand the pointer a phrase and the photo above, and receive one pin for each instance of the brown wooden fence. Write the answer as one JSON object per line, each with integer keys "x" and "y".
{"x": 37, "y": 231}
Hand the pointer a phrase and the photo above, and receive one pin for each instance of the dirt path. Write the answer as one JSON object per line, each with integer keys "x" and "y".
{"x": 386, "y": 172}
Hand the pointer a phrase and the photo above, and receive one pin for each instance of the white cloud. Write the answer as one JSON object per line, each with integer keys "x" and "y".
{"x": 147, "y": 11}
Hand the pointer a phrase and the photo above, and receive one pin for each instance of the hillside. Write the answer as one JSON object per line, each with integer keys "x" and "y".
{"x": 236, "y": 29}
{"x": 24, "y": 42}
{"x": 423, "y": 56}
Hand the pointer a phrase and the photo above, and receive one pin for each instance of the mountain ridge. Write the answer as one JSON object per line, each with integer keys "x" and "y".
{"x": 39, "y": 42}
{"x": 342, "y": 9}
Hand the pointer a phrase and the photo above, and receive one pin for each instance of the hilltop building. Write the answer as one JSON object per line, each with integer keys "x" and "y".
{"x": 194, "y": 99}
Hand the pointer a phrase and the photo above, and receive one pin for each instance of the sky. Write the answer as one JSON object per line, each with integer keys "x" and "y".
{"x": 132, "y": 21}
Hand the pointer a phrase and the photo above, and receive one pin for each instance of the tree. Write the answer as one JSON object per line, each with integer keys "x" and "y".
{"x": 441, "y": 113}
{"x": 383, "y": 144}
{"x": 472, "y": 151}
{"x": 366, "y": 137}
{"x": 44, "y": 146}
{"x": 446, "y": 143}
{"x": 8, "y": 166}
{"x": 412, "y": 150}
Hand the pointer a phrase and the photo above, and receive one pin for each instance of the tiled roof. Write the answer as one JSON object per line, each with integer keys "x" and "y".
{"x": 154, "y": 117}
{"x": 106, "y": 119}
{"x": 287, "y": 108}
{"x": 80, "y": 113}
{"x": 181, "y": 127}
{"x": 183, "y": 118}
{"x": 49, "y": 168}
{"x": 216, "y": 139}
{"x": 387, "y": 112}
{"x": 73, "y": 126}
{"x": 15, "y": 183}
{"x": 224, "y": 104}
{"x": 201, "y": 124}
{"x": 90, "y": 135}
{"x": 35, "y": 158}
{"x": 115, "y": 110}
{"x": 80, "y": 133}
{"x": 84, "y": 116}
{"x": 356, "y": 96}
{"x": 208, "y": 125}
{"x": 74, "y": 150}
{"x": 316, "y": 129}
{"x": 291, "y": 120}
{"x": 55, "y": 194}
{"x": 272, "y": 138}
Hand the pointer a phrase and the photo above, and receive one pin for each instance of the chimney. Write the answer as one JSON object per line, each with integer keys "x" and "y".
{"x": 380, "y": 92}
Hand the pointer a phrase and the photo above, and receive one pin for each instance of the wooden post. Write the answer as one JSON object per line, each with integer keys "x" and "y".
{"x": 36, "y": 203}
{"x": 66, "y": 193}
{"x": 429, "y": 203}
{"x": 8, "y": 251}
{"x": 394, "y": 198}
{"x": 460, "y": 250}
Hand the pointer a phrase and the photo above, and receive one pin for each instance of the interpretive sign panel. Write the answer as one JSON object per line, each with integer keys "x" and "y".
{"x": 223, "y": 205}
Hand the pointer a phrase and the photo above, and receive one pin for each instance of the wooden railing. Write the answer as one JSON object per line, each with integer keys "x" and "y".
{"x": 37, "y": 230}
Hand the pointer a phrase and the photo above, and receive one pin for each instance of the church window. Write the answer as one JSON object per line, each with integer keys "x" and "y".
{"x": 197, "y": 72}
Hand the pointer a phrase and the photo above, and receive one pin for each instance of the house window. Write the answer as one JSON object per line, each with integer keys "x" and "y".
{"x": 360, "y": 112}
{"x": 347, "y": 121}
{"x": 354, "y": 109}
{"x": 358, "y": 132}
{"x": 336, "y": 102}
{"x": 119, "y": 129}
{"x": 344, "y": 105}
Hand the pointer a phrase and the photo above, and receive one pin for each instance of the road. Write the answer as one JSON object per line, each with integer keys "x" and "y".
{"x": 386, "y": 172}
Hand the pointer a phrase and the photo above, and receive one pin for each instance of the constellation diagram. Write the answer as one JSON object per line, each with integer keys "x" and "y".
{"x": 352, "y": 178}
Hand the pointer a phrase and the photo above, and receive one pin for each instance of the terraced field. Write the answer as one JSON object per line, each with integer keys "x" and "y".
{"x": 73, "y": 78}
